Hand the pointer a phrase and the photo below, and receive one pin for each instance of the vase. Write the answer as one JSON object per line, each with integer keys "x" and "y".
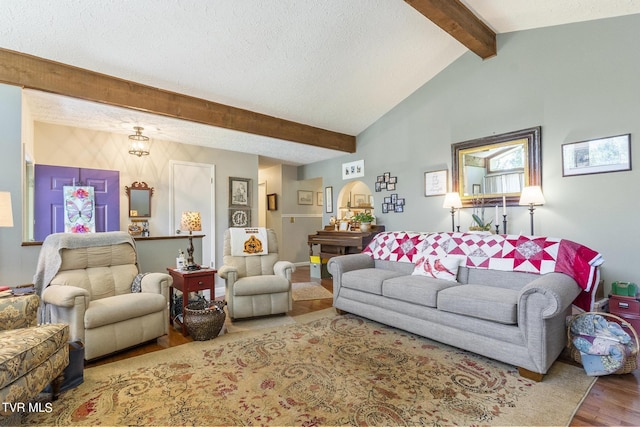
{"x": 365, "y": 227}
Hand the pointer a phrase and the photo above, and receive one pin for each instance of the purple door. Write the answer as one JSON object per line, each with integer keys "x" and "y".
{"x": 49, "y": 204}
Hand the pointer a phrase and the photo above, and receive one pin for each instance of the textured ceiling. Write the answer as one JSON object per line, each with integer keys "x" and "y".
{"x": 333, "y": 64}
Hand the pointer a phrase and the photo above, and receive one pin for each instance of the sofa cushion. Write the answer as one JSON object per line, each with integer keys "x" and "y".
{"x": 445, "y": 268}
{"x": 368, "y": 279}
{"x": 421, "y": 290}
{"x": 107, "y": 311}
{"x": 258, "y": 285}
{"x": 27, "y": 348}
{"x": 483, "y": 302}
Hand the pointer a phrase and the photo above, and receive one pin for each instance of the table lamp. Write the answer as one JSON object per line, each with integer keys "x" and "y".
{"x": 6, "y": 216}
{"x": 452, "y": 200}
{"x": 531, "y": 196}
{"x": 191, "y": 221}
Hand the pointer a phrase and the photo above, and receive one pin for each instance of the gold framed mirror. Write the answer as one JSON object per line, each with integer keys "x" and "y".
{"x": 497, "y": 167}
{"x": 139, "y": 200}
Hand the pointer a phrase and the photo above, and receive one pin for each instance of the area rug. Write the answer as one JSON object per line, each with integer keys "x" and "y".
{"x": 309, "y": 291}
{"x": 335, "y": 370}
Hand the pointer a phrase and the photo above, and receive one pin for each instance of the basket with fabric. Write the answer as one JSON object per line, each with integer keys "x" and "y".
{"x": 603, "y": 347}
{"x": 204, "y": 320}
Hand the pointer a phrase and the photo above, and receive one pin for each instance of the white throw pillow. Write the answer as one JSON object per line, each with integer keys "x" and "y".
{"x": 445, "y": 268}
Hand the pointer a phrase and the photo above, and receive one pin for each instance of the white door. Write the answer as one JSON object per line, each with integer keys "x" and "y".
{"x": 193, "y": 189}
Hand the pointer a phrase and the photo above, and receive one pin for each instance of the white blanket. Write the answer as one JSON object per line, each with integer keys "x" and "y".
{"x": 249, "y": 241}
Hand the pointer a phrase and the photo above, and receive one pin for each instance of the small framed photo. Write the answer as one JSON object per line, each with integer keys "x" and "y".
{"x": 386, "y": 176}
{"x": 319, "y": 198}
{"x": 305, "y": 197}
{"x": 391, "y": 186}
{"x": 239, "y": 192}
{"x": 392, "y": 207}
{"x": 435, "y": 183}
{"x": 328, "y": 198}
{"x": 399, "y": 208}
{"x": 387, "y": 199}
{"x": 383, "y": 185}
{"x": 344, "y": 226}
{"x": 393, "y": 179}
{"x": 400, "y": 202}
{"x": 394, "y": 198}
{"x": 272, "y": 202}
{"x": 380, "y": 178}
{"x": 385, "y": 208}
{"x": 360, "y": 200}
{"x": 611, "y": 154}
{"x": 378, "y": 186}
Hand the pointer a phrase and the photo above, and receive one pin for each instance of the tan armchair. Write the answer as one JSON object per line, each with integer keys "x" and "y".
{"x": 86, "y": 282}
{"x": 30, "y": 356}
{"x": 256, "y": 285}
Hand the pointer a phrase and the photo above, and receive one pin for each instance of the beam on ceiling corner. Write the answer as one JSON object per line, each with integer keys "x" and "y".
{"x": 454, "y": 17}
{"x": 32, "y": 72}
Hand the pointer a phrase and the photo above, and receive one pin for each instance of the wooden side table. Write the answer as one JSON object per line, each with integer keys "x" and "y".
{"x": 190, "y": 281}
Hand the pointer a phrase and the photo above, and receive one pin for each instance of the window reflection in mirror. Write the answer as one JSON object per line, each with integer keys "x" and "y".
{"x": 497, "y": 166}
{"x": 139, "y": 200}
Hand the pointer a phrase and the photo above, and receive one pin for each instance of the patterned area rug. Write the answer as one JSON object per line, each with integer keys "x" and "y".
{"x": 309, "y": 291}
{"x": 335, "y": 370}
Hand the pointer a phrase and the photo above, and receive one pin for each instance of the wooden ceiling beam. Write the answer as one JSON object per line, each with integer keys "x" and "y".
{"x": 454, "y": 18}
{"x": 32, "y": 72}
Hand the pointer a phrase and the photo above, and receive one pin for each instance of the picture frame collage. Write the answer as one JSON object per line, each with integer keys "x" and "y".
{"x": 239, "y": 202}
{"x": 392, "y": 203}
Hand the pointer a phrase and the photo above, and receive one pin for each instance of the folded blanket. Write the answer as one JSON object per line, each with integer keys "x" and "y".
{"x": 249, "y": 241}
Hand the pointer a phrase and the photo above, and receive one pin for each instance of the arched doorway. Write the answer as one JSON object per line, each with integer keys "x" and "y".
{"x": 354, "y": 197}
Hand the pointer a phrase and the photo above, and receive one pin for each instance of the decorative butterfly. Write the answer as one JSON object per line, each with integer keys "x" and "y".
{"x": 83, "y": 213}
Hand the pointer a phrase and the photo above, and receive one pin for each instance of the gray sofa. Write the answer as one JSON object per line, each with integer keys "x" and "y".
{"x": 514, "y": 317}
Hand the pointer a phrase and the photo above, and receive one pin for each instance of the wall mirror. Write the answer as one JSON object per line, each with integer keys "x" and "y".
{"x": 496, "y": 166}
{"x": 139, "y": 199}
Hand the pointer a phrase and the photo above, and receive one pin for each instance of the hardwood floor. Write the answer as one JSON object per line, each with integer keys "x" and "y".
{"x": 614, "y": 400}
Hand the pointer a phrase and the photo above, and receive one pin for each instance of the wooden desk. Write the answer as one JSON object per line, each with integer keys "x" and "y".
{"x": 333, "y": 243}
{"x": 190, "y": 281}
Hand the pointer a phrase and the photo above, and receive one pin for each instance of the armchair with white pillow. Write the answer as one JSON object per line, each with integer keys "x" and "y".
{"x": 257, "y": 283}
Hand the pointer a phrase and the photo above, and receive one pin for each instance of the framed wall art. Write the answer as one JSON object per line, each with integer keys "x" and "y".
{"x": 319, "y": 198}
{"x": 305, "y": 197}
{"x": 435, "y": 183}
{"x": 239, "y": 192}
{"x": 328, "y": 199}
{"x": 353, "y": 169}
{"x": 272, "y": 202}
{"x": 610, "y": 154}
{"x": 239, "y": 217}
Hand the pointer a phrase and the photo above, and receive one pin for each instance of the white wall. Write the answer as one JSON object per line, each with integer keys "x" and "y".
{"x": 577, "y": 81}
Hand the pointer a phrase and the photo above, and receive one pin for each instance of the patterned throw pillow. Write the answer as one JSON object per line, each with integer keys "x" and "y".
{"x": 136, "y": 286}
{"x": 445, "y": 268}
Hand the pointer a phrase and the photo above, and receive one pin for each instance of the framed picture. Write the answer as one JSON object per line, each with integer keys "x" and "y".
{"x": 476, "y": 189}
{"x": 378, "y": 186}
{"x": 344, "y": 226}
{"x": 305, "y": 197}
{"x": 353, "y": 169}
{"x": 328, "y": 197}
{"x": 319, "y": 198}
{"x": 272, "y": 202}
{"x": 385, "y": 208}
{"x": 387, "y": 199}
{"x": 239, "y": 192}
{"x": 611, "y": 154}
{"x": 386, "y": 176}
{"x": 360, "y": 200}
{"x": 399, "y": 208}
{"x": 393, "y": 179}
{"x": 239, "y": 217}
{"x": 380, "y": 178}
{"x": 435, "y": 183}
{"x": 391, "y": 186}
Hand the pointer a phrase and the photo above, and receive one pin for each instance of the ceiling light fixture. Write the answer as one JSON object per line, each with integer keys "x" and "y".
{"x": 138, "y": 143}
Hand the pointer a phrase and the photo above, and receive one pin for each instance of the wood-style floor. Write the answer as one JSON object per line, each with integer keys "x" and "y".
{"x": 614, "y": 400}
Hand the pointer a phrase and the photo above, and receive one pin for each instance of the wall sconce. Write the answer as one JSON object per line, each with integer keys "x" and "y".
{"x": 531, "y": 196}
{"x": 191, "y": 221}
{"x": 452, "y": 200}
{"x": 6, "y": 216}
{"x": 138, "y": 143}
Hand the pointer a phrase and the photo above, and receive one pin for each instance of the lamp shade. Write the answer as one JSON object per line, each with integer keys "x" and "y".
{"x": 531, "y": 195}
{"x": 191, "y": 221}
{"x": 452, "y": 200}
{"x": 6, "y": 216}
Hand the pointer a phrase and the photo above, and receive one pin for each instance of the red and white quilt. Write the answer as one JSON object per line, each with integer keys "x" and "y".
{"x": 528, "y": 254}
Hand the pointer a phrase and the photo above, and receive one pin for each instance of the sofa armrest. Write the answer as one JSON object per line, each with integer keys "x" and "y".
{"x": 558, "y": 291}
{"x": 228, "y": 272}
{"x": 19, "y": 312}
{"x": 67, "y": 304}
{"x": 157, "y": 283}
{"x": 284, "y": 269}
{"x": 339, "y": 265}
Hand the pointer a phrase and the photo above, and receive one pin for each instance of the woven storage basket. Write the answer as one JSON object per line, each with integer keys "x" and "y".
{"x": 204, "y": 320}
{"x": 631, "y": 362}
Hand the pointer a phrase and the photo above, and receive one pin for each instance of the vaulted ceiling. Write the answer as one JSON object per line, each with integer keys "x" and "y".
{"x": 290, "y": 80}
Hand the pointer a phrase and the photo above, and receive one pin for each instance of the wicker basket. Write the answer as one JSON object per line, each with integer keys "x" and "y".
{"x": 204, "y": 320}
{"x": 631, "y": 361}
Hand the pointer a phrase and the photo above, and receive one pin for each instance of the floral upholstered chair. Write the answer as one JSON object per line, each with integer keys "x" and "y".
{"x": 31, "y": 356}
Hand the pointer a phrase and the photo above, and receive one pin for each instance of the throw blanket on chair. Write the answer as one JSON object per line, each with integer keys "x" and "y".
{"x": 249, "y": 241}
{"x": 529, "y": 254}
{"x": 49, "y": 260}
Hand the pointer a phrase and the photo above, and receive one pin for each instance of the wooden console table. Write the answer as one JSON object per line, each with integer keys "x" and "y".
{"x": 333, "y": 243}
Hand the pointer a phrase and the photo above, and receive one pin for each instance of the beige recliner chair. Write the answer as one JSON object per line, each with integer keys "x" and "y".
{"x": 256, "y": 285}
{"x": 86, "y": 281}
